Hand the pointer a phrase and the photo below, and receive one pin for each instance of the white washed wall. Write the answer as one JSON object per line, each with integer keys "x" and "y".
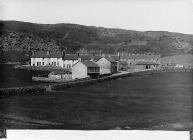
{"x": 69, "y": 62}
{"x": 36, "y": 60}
{"x": 79, "y": 71}
{"x": 105, "y": 66}
{"x": 62, "y": 63}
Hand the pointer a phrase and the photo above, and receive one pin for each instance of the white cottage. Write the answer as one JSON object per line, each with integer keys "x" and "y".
{"x": 57, "y": 59}
{"x": 69, "y": 60}
{"x": 47, "y": 59}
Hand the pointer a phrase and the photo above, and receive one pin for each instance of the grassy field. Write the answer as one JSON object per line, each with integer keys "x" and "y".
{"x": 158, "y": 101}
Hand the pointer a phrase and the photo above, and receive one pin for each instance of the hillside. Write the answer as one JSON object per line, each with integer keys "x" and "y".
{"x": 24, "y": 37}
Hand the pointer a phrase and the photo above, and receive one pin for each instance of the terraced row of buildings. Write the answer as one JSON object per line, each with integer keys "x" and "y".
{"x": 88, "y": 65}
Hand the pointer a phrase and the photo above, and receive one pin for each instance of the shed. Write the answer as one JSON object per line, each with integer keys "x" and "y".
{"x": 60, "y": 75}
{"x": 84, "y": 69}
{"x": 107, "y": 65}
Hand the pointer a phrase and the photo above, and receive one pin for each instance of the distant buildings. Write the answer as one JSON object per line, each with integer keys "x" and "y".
{"x": 90, "y": 65}
{"x": 142, "y": 65}
{"x": 141, "y": 61}
{"x": 57, "y": 59}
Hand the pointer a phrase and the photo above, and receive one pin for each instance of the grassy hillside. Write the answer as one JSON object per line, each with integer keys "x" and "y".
{"x": 27, "y": 37}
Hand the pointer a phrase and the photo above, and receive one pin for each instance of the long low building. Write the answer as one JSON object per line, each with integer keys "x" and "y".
{"x": 145, "y": 61}
{"x": 146, "y": 65}
{"x": 47, "y": 59}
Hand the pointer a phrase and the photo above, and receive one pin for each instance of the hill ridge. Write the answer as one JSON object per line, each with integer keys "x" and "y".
{"x": 27, "y": 37}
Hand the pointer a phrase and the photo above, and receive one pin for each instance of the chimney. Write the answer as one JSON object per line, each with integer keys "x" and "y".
{"x": 33, "y": 52}
{"x": 79, "y": 59}
{"x": 63, "y": 53}
{"x": 92, "y": 58}
{"x": 118, "y": 54}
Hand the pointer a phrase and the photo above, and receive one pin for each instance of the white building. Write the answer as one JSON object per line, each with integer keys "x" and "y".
{"x": 47, "y": 59}
{"x": 57, "y": 59}
{"x": 179, "y": 66}
{"x": 69, "y": 60}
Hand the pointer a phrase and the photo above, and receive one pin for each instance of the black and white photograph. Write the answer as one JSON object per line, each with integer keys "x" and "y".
{"x": 118, "y": 65}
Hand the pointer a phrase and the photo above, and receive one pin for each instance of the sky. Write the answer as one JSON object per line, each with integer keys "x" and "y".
{"x": 141, "y": 15}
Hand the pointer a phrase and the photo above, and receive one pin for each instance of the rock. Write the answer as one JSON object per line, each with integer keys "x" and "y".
{"x": 127, "y": 127}
{"x": 117, "y": 128}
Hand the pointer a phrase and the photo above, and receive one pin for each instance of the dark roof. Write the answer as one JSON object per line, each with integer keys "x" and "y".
{"x": 70, "y": 57}
{"x": 140, "y": 56}
{"x": 86, "y": 57}
{"x": 146, "y": 63}
{"x": 43, "y": 54}
{"x": 97, "y": 57}
{"x": 89, "y": 64}
{"x": 123, "y": 62}
{"x": 115, "y": 57}
{"x": 110, "y": 59}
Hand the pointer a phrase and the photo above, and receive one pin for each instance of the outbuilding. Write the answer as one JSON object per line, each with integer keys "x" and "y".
{"x": 107, "y": 65}
{"x": 56, "y": 75}
{"x": 85, "y": 69}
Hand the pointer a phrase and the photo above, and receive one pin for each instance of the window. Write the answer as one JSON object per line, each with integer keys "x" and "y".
{"x": 43, "y": 63}
{"x": 38, "y": 63}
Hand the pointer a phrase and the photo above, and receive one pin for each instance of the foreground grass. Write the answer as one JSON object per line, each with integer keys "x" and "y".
{"x": 158, "y": 101}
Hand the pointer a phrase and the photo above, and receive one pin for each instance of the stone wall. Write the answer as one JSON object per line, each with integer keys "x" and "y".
{"x": 92, "y": 81}
{"x": 35, "y": 90}
{"x": 4, "y": 92}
